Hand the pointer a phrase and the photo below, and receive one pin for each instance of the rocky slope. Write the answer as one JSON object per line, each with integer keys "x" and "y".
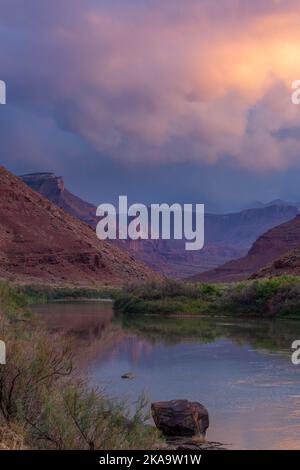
{"x": 227, "y": 236}
{"x": 40, "y": 243}
{"x": 288, "y": 261}
{"x": 288, "y": 264}
{"x": 269, "y": 249}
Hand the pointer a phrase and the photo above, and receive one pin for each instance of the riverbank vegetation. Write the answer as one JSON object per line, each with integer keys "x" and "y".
{"x": 44, "y": 402}
{"x": 43, "y": 293}
{"x": 264, "y": 297}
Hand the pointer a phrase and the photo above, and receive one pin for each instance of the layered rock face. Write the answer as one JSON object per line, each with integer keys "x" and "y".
{"x": 285, "y": 243}
{"x": 272, "y": 245}
{"x": 53, "y": 188}
{"x": 227, "y": 236}
{"x": 40, "y": 243}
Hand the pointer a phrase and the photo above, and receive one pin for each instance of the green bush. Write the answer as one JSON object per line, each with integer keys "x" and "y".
{"x": 278, "y": 296}
{"x": 44, "y": 402}
{"x": 267, "y": 297}
{"x": 43, "y": 294}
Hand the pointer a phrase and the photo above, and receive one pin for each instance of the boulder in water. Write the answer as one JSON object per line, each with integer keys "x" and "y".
{"x": 180, "y": 418}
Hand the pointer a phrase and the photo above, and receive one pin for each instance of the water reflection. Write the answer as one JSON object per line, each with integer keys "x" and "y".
{"x": 240, "y": 369}
{"x": 89, "y": 324}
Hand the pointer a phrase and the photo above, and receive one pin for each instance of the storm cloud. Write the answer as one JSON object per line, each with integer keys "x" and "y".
{"x": 152, "y": 83}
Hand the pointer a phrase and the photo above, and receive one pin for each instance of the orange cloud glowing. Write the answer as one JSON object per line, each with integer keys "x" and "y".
{"x": 182, "y": 81}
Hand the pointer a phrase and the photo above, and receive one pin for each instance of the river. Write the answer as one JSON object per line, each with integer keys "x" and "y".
{"x": 240, "y": 369}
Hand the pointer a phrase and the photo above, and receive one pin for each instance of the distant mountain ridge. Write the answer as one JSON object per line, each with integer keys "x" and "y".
{"x": 227, "y": 236}
{"x": 274, "y": 202}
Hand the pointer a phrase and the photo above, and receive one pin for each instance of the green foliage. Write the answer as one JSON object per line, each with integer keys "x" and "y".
{"x": 267, "y": 297}
{"x": 43, "y": 294}
{"x": 278, "y": 296}
{"x": 12, "y": 301}
{"x": 167, "y": 298}
{"x": 43, "y": 400}
{"x": 81, "y": 418}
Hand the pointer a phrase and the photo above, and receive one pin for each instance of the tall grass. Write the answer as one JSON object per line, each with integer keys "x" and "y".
{"x": 45, "y": 402}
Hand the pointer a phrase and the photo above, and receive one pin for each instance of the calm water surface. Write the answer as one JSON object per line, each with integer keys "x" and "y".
{"x": 239, "y": 369}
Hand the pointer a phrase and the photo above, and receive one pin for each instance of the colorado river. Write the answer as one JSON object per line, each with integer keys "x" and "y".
{"x": 240, "y": 369}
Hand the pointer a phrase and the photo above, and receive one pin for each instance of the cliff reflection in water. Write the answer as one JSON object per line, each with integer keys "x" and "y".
{"x": 89, "y": 325}
{"x": 239, "y": 368}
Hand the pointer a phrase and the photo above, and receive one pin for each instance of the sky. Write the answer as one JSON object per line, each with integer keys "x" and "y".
{"x": 164, "y": 101}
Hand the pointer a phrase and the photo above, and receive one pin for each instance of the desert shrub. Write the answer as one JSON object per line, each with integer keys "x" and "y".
{"x": 43, "y": 400}
{"x": 44, "y": 294}
{"x": 35, "y": 366}
{"x": 244, "y": 298}
{"x": 81, "y": 418}
{"x": 170, "y": 296}
{"x": 287, "y": 300}
{"x": 266, "y": 297}
{"x": 278, "y": 296}
{"x": 128, "y": 303}
{"x": 12, "y": 301}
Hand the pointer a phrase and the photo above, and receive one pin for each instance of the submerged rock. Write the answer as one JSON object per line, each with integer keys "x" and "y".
{"x": 128, "y": 375}
{"x": 180, "y": 418}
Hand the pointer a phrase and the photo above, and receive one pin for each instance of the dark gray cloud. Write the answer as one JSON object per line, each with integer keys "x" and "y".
{"x": 159, "y": 100}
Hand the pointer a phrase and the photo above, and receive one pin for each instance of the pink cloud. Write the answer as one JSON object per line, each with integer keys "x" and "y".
{"x": 214, "y": 76}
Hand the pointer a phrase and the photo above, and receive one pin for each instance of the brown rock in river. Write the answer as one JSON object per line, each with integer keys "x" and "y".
{"x": 180, "y": 418}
